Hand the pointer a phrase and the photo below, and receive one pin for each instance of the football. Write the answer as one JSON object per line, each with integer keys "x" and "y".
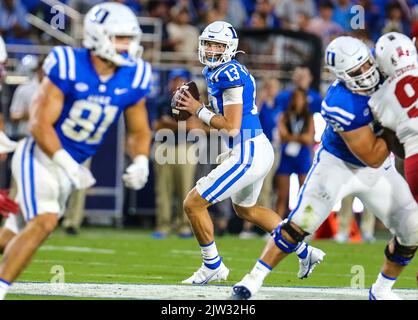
{"x": 181, "y": 115}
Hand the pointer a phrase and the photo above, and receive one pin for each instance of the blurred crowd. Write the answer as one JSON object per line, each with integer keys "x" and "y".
{"x": 184, "y": 19}
{"x": 286, "y": 110}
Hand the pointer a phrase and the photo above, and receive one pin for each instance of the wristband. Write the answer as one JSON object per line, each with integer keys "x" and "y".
{"x": 141, "y": 159}
{"x": 205, "y": 115}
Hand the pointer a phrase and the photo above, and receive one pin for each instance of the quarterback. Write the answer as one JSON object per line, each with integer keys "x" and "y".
{"x": 84, "y": 92}
{"x": 242, "y": 169}
{"x": 352, "y": 160}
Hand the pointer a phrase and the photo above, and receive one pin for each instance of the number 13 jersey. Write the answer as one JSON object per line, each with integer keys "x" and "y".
{"x": 229, "y": 76}
{"x": 92, "y": 104}
{"x": 396, "y": 101}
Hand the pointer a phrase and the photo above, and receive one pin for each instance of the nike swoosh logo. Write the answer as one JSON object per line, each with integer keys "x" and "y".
{"x": 387, "y": 168}
{"x": 119, "y": 91}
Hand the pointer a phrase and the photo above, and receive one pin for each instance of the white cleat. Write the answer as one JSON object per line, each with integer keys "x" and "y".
{"x": 205, "y": 275}
{"x": 307, "y": 265}
{"x": 246, "y": 288}
{"x": 376, "y": 293}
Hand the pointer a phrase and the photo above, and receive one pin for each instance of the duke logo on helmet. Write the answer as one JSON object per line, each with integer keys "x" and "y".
{"x": 106, "y": 21}
{"x": 100, "y": 16}
{"x": 331, "y": 58}
{"x": 345, "y": 57}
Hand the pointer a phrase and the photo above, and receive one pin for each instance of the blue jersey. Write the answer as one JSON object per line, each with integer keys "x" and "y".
{"x": 230, "y": 75}
{"x": 91, "y": 105}
{"x": 343, "y": 110}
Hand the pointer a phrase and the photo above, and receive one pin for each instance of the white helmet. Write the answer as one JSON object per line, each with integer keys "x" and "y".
{"x": 3, "y": 58}
{"x": 3, "y": 52}
{"x": 395, "y": 51}
{"x": 103, "y": 23}
{"x": 345, "y": 56}
{"x": 219, "y": 32}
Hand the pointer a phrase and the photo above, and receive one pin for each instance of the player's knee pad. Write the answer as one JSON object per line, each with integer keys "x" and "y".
{"x": 282, "y": 243}
{"x": 400, "y": 254}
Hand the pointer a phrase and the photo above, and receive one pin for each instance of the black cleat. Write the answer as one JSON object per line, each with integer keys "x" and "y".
{"x": 240, "y": 293}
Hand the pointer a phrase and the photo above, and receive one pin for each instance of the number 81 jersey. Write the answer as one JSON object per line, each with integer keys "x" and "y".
{"x": 91, "y": 104}
{"x": 396, "y": 101}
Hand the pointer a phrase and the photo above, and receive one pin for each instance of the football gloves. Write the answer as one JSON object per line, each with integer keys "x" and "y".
{"x": 80, "y": 176}
{"x": 136, "y": 175}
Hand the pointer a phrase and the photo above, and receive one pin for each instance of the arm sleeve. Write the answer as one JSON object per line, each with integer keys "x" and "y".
{"x": 142, "y": 82}
{"x": 342, "y": 116}
{"x": 232, "y": 96}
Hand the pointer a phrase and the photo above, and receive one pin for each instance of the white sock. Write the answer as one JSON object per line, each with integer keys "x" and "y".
{"x": 302, "y": 250}
{"x": 210, "y": 255}
{"x": 261, "y": 270}
{"x": 4, "y": 288}
{"x": 385, "y": 282}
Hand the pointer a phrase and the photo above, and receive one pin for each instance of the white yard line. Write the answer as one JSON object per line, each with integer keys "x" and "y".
{"x": 183, "y": 292}
{"x": 77, "y": 249}
{"x": 192, "y": 268}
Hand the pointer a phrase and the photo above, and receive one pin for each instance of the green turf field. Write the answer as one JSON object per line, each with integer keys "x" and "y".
{"x": 101, "y": 255}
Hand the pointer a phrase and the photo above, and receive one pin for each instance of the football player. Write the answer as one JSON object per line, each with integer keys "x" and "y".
{"x": 84, "y": 92}
{"x": 395, "y": 104}
{"x": 7, "y": 205}
{"x": 352, "y": 160}
{"x": 241, "y": 171}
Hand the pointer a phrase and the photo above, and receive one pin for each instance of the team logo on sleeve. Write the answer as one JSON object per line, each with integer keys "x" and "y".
{"x": 81, "y": 87}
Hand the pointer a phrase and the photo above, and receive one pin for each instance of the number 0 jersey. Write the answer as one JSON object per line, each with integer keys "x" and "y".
{"x": 90, "y": 104}
{"x": 396, "y": 101}
{"x": 233, "y": 75}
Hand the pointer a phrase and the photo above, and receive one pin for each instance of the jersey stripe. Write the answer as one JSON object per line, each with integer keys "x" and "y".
{"x": 215, "y": 76}
{"x": 32, "y": 180}
{"x": 24, "y": 208}
{"x": 147, "y": 76}
{"x": 71, "y": 63}
{"x": 62, "y": 63}
{"x": 332, "y": 117}
{"x": 337, "y": 110}
{"x": 238, "y": 176}
{"x": 221, "y": 181}
{"x": 138, "y": 74}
